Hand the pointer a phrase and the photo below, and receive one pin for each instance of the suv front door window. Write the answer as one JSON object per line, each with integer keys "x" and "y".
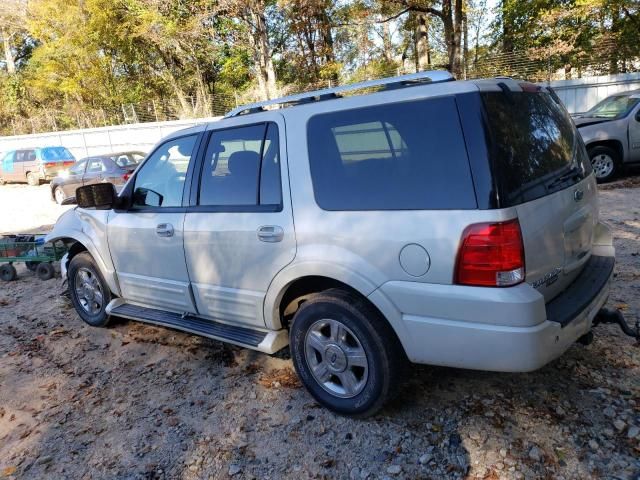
{"x": 146, "y": 242}
{"x": 160, "y": 181}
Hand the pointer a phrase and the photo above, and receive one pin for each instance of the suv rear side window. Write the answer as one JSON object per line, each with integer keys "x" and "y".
{"x": 536, "y": 149}
{"x": 402, "y": 156}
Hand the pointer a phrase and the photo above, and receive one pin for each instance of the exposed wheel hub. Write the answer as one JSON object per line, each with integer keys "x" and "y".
{"x": 89, "y": 292}
{"x": 336, "y": 357}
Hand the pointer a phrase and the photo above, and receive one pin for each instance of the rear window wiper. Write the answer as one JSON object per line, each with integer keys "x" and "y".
{"x": 566, "y": 177}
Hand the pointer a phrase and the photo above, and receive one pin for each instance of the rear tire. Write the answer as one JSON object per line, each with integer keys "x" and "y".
{"x": 32, "y": 179}
{"x": 45, "y": 271}
{"x": 89, "y": 291}
{"x": 346, "y": 354}
{"x": 605, "y": 162}
{"x": 32, "y": 266}
{"x": 59, "y": 195}
{"x": 8, "y": 272}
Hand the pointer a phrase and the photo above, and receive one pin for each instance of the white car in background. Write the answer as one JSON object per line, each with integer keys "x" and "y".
{"x": 611, "y": 132}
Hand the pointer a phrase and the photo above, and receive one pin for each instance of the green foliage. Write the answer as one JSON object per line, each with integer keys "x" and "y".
{"x": 76, "y": 63}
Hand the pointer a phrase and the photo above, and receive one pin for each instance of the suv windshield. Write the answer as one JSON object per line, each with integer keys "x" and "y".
{"x": 56, "y": 153}
{"x": 536, "y": 149}
{"x": 613, "y": 107}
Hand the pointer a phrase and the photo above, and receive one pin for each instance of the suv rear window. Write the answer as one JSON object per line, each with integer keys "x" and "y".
{"x": 401, "y": 156}
{"x": 536, "y": 149}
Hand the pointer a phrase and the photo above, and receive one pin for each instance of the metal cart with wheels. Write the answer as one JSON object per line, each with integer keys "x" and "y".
{"x": 32, "y": 250}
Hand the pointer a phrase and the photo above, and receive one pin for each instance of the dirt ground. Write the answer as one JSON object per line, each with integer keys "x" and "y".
{"x": 138, "y": 402}
{"x": 27, "y": 209}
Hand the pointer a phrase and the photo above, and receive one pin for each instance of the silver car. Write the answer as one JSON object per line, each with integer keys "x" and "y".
{"x": 611, "y": 131}
{"x": 434, "y": 221}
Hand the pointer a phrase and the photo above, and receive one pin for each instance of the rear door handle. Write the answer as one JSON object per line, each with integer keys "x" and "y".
{"x": 164, "y": 230}
{"x": 270, "y": 233}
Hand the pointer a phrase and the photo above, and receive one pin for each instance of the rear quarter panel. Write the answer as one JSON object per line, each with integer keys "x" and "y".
{"x": 362, "y": 248}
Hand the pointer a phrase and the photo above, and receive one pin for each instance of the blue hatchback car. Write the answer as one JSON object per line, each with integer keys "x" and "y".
{"x": 32, "y": 165}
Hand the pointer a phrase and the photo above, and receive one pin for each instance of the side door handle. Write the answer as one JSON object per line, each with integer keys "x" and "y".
{"x": 270, "y": 233}
{"x": 164, "y": 230}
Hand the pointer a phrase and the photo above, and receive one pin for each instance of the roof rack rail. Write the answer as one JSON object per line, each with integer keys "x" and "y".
{"x": 433, "y": 76}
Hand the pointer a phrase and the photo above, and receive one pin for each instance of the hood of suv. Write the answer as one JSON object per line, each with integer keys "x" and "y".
{"x": 586, "y": 121}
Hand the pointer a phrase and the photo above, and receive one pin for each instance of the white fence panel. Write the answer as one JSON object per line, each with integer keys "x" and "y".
{"x": 96, "y": 141}
{"x": 581, "y": 94}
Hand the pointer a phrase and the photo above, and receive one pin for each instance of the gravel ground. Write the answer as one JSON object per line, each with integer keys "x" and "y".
{"x": 139, "y": 402}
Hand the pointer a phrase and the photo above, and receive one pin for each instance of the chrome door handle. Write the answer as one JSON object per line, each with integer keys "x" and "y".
{"x": 270, "y": 233}
{"x": 164, "y": 230}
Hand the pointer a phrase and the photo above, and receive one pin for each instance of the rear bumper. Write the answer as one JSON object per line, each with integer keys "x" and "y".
{"x": 508, "y": 330}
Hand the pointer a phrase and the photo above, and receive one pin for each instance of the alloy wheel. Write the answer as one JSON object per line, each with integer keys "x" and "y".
{"x": 336, "y": 358}
{"x": 89, "y": 291}
{"x": 602, "y": 165}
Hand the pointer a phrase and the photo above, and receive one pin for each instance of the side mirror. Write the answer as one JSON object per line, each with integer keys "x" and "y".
{"x": 100, "y": 196}
{"x": 638, "y": 116}
{"x": 148, "y": 197}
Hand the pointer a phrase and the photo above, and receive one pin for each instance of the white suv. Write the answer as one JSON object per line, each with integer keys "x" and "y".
{"x": 435, "y": 221}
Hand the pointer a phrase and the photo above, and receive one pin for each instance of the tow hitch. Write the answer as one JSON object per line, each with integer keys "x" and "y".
{"x": 606, "y": 315}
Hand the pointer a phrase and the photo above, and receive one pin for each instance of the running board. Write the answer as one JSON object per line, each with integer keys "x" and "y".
{"x": 264, "y": 341}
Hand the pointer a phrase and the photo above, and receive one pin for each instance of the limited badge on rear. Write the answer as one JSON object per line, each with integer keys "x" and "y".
{"x": 548, "y": 279}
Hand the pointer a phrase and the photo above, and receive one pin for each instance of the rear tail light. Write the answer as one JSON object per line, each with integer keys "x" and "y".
{"x": 126, "y": 176}
{"x": 491, "y": 255}
{"x": 50, "y": 164}
{"x": 69, "y": 163}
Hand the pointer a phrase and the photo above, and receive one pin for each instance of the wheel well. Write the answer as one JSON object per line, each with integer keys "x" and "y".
{"x": 75, "y": 249}
{"x": 613, "y": 144}
{"x": 301, "y": 289}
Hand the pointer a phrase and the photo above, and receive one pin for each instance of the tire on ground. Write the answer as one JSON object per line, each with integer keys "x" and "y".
{"x": 32, "y": 266}
{"x": 59, "y": 195}
{"x": 384, "y": 355}
{"x": 602, "y": 150}
{"x": 8, "y": 272}
{"x": 32, "y": 179}
{"x": 45, "y": 271}
{"x": 79, "y": 292}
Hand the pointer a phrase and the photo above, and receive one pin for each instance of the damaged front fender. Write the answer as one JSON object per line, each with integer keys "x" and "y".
{"x": 89, "y": 229}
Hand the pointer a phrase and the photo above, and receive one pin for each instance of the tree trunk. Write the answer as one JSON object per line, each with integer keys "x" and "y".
{"x": 507, "y": 40}
{"x": 386, "y": 42}
{"x": 465, "y": 50}
{"x": 8, "y": 54}
{"x": 423, "y": 53}
{"x": 451, "y": 37}
{"x": 615, "y": 27}
{"x": 455, "y": 54}
{"x": 259, "y": 39}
